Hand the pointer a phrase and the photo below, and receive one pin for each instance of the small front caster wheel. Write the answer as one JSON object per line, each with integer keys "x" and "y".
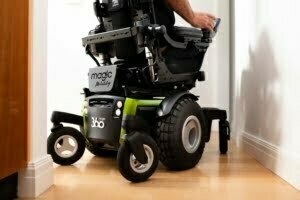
{"x": 224, "y": 136}
{"x": 66, "y": 145}
{"x": 131, "y": 168}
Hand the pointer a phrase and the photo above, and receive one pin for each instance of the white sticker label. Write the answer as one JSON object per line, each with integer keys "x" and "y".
{"x": 98, "y": 122}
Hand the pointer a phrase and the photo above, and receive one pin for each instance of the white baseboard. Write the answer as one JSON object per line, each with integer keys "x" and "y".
{"x": 284, "y": 164}
{"x": 36, "y": 179}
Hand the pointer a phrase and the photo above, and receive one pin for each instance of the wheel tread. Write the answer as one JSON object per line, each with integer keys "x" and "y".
{"x": 165, "y": 135}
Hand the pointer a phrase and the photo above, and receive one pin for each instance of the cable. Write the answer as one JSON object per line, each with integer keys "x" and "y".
{"x": 87, "y": 50}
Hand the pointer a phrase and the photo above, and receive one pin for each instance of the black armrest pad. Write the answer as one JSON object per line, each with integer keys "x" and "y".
{"x": 188, "y": 32}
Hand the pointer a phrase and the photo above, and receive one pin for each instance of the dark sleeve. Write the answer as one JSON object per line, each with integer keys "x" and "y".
{"x": 164, "y": 14}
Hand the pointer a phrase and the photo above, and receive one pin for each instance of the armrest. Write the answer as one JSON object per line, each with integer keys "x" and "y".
{"x": 188, "y": 32}
{"x": 196, "y": 34}
{"x": 156, "y": 30}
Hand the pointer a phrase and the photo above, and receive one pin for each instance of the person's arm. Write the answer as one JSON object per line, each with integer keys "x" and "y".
{"x": 184, "y": 9}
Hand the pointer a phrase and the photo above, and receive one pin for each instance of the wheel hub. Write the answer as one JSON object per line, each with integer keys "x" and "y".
{"x": 191, "y": 134}
{"x": 66, "y": 146}
{"x": 142, "y": 168}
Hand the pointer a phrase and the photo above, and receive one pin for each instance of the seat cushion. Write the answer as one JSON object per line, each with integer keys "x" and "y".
{"x": 187, "y": 60}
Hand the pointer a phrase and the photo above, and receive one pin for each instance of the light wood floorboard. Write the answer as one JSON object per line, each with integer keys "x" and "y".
{"x": 234, "y": 176}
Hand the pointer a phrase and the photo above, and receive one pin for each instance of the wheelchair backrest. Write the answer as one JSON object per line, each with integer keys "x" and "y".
{"x": 116, "y": 15}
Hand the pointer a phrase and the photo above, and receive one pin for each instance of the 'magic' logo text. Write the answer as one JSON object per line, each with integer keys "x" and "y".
{"x": 101, "y": 76}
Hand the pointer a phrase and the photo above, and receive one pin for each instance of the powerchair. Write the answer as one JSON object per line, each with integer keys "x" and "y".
{"x": 138, "y": 102}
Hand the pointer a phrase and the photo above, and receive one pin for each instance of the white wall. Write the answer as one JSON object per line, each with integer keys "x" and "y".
{"x": 266, "y": 83}
{"x": 38, "y": 176}
{"x": 70, "y": 20}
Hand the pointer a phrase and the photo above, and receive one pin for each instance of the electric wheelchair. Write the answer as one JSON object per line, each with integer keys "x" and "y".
{"x": 138, "y": 102}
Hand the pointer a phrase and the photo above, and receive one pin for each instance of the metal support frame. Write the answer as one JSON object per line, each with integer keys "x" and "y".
{"x": 215, "y": 114}
{"x": 110, "y": 36}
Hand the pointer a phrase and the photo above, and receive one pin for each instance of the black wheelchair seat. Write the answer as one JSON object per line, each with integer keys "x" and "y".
{"x": 188, "y": 60}
{"x": 155, "y": 54}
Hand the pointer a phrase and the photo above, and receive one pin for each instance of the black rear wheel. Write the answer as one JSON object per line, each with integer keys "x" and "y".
{"x": 181, "y": 135}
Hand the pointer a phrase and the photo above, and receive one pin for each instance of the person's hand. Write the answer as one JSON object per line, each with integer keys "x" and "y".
{"x": 203, "y": 21}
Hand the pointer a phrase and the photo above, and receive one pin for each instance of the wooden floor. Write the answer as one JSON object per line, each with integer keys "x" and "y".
{"x": 235, "y": 176}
